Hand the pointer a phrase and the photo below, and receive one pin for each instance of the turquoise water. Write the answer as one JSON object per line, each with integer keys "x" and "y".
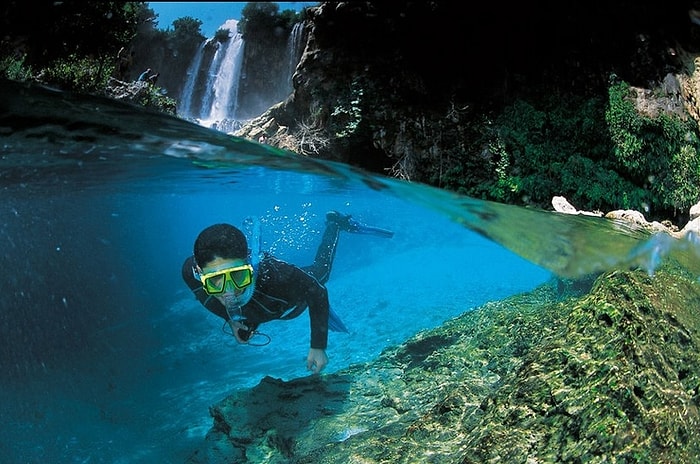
{"x": 109, "y": 358}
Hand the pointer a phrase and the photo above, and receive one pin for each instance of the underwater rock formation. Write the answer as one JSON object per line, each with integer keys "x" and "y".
{"x": 607, "y": 374}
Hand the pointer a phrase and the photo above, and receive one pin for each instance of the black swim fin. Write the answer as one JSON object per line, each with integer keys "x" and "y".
{"x": 348, "y": 224}
{"x": 365, "y": 229}
{"x": 334, "y": 322}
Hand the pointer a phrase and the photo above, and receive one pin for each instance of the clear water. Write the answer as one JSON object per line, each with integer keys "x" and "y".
{"x": 108, "y": 358}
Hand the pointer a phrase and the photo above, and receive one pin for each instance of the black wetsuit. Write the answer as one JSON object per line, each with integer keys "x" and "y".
{"x": 282, "y": 290}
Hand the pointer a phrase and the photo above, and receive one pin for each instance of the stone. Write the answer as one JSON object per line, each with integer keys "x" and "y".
{"x": 636, "y": 219}
{"x": 695, "y": 211}
{"x": 561, "y": 205}
{"x": 692, "y": 226}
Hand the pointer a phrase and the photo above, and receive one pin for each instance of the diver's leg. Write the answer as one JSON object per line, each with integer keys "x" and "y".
{"x": 336, "y": 222}
{"x": 321, "y": 267}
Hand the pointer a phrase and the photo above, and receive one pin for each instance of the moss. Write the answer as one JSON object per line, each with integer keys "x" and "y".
{"x": 612, "y": 375}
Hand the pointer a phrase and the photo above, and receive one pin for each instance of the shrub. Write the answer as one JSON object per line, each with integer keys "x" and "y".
{"x": 222, "y": 35}
{"x": 81, "y": 74}
{"x": 14, "y": 68}
{"x": 659, "y": 154}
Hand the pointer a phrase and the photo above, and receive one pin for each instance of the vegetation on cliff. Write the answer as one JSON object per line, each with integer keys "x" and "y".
{"x": 84, "y": 47}
{"x": 522, "y": 108}
{"x": 603, "y": 152}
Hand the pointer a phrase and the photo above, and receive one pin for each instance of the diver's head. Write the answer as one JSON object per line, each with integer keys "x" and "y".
{"x": 220, "y": 240}
{"x": 223, "y": 266}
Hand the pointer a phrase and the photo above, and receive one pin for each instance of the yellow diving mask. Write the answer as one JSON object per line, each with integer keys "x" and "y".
{"x": 217, "y": 281}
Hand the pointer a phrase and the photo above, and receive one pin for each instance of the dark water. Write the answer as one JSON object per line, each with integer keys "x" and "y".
{"x": 106, "y": 355}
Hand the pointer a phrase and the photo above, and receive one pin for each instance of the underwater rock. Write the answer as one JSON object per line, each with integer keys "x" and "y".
{"x": 612, "y": 375}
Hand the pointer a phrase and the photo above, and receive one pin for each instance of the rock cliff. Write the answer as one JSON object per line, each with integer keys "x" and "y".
{"x": 409, "y": 89}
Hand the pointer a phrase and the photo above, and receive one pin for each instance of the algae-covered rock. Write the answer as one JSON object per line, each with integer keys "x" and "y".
{"x": 610, "y": 376}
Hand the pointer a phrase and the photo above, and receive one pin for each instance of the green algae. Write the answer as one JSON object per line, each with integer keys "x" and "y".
{"x": 612, "y": 375}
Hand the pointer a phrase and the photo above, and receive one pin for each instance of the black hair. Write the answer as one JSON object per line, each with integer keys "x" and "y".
{"x": 222, "y": 240}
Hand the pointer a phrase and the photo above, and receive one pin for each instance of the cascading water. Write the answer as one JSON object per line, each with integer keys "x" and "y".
{"x": 295, "y": 48}
{"x": 225, "y": 79}
{"x": 188, "y": 90}
{"x": 212, "y": 96}
{"x": 213, "y": 93}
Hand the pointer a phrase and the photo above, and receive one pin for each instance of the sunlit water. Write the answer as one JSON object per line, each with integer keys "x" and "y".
{"x": 107, "y": 355}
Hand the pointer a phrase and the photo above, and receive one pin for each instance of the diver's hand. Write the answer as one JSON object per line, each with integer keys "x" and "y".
{"x": 235, "y": 325}
{"x": 316, "y": 360}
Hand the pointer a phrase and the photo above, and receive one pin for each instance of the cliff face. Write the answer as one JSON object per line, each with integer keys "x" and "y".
{"x": 266, "y": 73}
{"x": 406, "y": 89}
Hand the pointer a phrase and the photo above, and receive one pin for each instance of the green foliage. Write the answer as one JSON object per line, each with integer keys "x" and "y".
{"x": 163, "y": 50}
{"x": 625, "y": 128}
{"x": 601, "y": 155}
{"x": 61, "y": 29}
{"x": 76, "y": 73}
{"x": 347, "y": 114}
{"x": 262, "y": 21}
{"x": 13, "y": 68}
{"x": 222, "y": 35}
{"x": 188, "y": 27}
{"x": 186, "y": 35}
{"x": 537, "y": 153}
{"x": 153, "y": 97}
{"x": 659, "y": 154}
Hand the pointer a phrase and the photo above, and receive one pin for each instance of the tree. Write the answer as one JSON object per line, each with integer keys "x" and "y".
{"x": 257, "y": 15}
{"x": 187, "y": 34}
{"x": 57, "y": 30}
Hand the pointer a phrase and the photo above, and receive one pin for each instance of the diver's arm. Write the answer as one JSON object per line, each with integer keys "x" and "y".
{"x": 316, "y": 297}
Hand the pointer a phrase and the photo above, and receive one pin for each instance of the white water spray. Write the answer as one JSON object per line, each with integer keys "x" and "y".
{"x": 225, "y": 84}
{"x": 188, "y": 90}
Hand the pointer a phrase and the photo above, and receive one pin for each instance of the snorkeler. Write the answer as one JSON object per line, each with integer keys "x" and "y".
{"x": 246, "y": 288}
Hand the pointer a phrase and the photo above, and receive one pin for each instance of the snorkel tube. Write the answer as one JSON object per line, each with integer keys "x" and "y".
{"x": 251, "y": 229}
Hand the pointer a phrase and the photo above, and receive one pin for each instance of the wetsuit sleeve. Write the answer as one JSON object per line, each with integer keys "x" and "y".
{"x": 316, "y": 296}
{"x": 209, "y": 302}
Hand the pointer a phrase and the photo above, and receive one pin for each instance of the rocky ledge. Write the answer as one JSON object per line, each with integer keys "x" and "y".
{"x": 610, "y": 373}
{"x": 561, "y": 205}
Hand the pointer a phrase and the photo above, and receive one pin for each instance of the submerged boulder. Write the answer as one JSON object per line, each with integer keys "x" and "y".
{"x": 606, "y": 375}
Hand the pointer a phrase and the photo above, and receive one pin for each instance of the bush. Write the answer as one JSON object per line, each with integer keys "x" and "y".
{"x": 80, "y": 74}
{"x": 601, "y": 155}
{"x": 555, "y": 148}
{"x": 659, "y": 154}
{"x": 13, "y": 68}
{"x": 222, "y": 35}
{"x": 153, "y": 97}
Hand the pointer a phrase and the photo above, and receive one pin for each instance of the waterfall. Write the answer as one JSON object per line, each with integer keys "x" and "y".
{"x": 222, "y": 77}
{"x": 226, "y": 77}
{"x": 212, "y": 95}
{"x": 205, "y": 106}
{"x": 213, "y": 92}
{"x": 188, "y": 90}
{"x": 295, "y": 46}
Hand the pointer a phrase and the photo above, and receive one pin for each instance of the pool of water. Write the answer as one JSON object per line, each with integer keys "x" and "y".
{"x": 107, "y": 355}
